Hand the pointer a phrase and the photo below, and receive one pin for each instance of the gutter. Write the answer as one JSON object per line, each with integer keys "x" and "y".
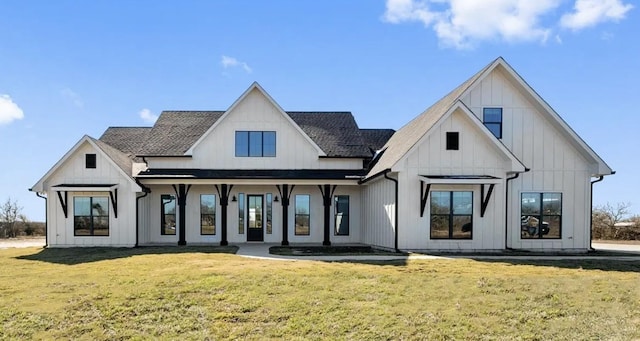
{"x": 591, "y": 212}
{"x": 395, "y": 218}
{"x": 146, "y": 191}
{"x": 384, "y": 172}
{"x": 506, "y": 208}
{"x": 46, "y": 219}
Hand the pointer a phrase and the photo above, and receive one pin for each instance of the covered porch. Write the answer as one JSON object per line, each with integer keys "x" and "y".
{"x": 238, "y": 206}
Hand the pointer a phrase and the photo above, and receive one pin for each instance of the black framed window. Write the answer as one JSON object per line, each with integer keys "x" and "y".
{"x": 269, "y": 213}
{"x": 207, "y": 214}
{"x": 255, "y": 143}
{"x": 453, "y": 140}
{"x": 90, "y": 216}
{"x": 303, "y": 215}
{"x": 341, "y": 204}
{"x": 451, "y": 215}
{"x": 241, "y": 213}
{"x": 541, "y": 215}
{"x": 492, "y": 119}
{"x": 167, "y": 214}
{"x": 90, "y": 160}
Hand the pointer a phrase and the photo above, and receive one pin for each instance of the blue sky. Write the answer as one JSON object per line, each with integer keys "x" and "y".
{"x": 69, "y": 68}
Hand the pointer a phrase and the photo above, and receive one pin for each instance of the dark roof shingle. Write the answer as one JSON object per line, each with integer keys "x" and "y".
{"x": 126, "y": 139}
{"x": 375, "y": 139}
{"x": 176, "y": 131}
{"x": 336, "y": 133}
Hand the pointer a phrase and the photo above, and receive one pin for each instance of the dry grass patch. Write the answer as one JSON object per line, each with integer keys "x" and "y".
{"x": 194, "y": 294}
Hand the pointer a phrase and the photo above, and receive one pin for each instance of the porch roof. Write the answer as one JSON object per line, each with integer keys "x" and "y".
{"x": 85, "y": 187}
{"x": 253, "y": 174}
{"x": 460, "y": 179}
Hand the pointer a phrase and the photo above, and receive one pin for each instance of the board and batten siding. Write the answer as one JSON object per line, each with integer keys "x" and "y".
{"x": 378, "y": 213}
{"x": 150, "y": 232}
{"x": 121, "y": 229}
{"x": 555, "y": 163}
{"x": 255, "y": 113}
{"x": 477, "y": 155}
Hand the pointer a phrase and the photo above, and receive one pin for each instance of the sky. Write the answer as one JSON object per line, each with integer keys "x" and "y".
{"x": 70, "y": 68}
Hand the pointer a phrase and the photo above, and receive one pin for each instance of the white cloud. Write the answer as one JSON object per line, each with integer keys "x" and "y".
{"x": 147, "y": 116}
{"x": 228, "y": 62}
{"x": 72, "y": 96}
{"x": 9, "y": 110}
{"x": 465, "y": 23}
{"x": 587, "y": 13}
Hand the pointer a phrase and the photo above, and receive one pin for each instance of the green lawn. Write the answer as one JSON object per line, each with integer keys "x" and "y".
{"x": 194, "y": 293}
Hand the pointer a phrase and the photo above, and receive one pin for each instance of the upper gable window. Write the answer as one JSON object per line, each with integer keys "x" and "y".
{"x": 255, "y": 143}
{"x": 453, "y": 140}
{"x": 492, "y": 118}
{"x": 90, "y": 160}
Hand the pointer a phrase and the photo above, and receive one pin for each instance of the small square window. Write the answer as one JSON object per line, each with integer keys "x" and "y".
{"x": 453, "y": 140}
{"x": 90, "y": 160}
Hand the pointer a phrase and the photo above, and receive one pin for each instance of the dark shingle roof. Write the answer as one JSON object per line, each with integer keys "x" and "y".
{"x": 122, "y": 159}
{"x": 336, "y": 133}
{"x": 126, "y": 139}
{"x": 176, "y": 131}
{"x": 375, "y": 139}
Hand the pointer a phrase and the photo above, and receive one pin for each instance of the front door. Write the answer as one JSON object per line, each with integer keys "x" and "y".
{"x": 255, "y": 229}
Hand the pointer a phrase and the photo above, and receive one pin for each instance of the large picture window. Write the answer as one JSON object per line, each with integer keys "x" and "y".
{"x": 451, "y": 215}
{"x": 492, "y": 119}
{"x": 168, "y": 214}
{"x": 302, "y": 215}
{"x": 90, "y": 216}
{"x": 207, "y": 214}
{"x": 341, "y": 204}
{"x": 541, "y": 215}
{"x": 255, "y": 143}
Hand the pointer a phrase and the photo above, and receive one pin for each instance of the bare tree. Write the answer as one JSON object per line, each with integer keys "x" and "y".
{"x": 9, "y": 214}
{"x": 611, "y": 215}
{"x": 606, "y": 216}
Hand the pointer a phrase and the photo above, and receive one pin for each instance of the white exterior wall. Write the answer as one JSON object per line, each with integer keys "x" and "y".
{"x": 150, "y": 234}
{"x": 378, "y": 212}
{"x": 556, "y": 165}
{"x": 60, "y": 229}
{"x": 477, "y": 155}
{"x": 255, "y": 113}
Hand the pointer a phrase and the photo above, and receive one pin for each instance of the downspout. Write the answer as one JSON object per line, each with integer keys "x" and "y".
{"x": 591, "y": 213}
{"x": 46, "y": 220}
{"x": 506, "y": 208}
{"x": 395, "y": 218}
{"x": 146, "y": 191}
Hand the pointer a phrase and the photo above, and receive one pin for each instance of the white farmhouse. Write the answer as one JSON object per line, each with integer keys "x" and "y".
{"x": 491, "y": 166}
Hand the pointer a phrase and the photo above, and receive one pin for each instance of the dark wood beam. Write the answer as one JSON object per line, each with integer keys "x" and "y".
{"x": 485, "y": 200}
{"x": 424, "y": 196}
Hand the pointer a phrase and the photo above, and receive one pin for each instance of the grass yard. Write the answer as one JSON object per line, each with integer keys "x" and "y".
{"x": 194, "y": 293}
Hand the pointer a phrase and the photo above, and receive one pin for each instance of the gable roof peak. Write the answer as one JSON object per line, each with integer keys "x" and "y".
{"x": 406, "y": 137}
{"x": 255, "y": 86}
